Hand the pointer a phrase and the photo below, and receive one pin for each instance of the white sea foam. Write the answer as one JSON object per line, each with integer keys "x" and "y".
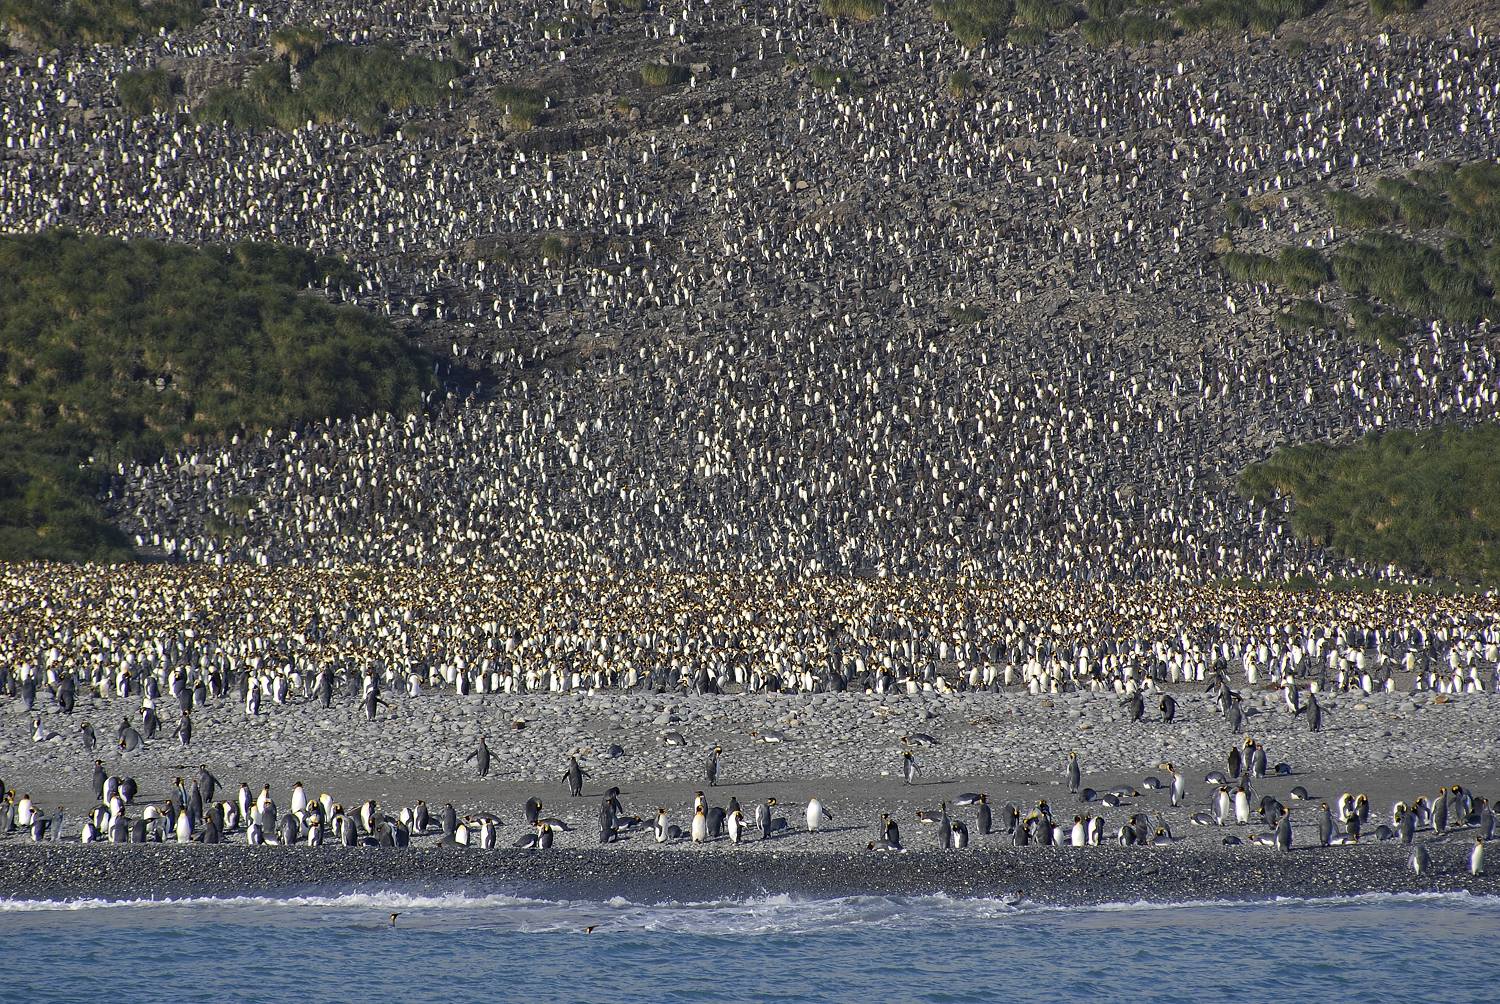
{"x": 765, "y": 915}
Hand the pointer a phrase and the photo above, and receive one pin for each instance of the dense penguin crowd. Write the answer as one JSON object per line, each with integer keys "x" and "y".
{"x": 759, "y": 353}
{"x": 856, "y": 423}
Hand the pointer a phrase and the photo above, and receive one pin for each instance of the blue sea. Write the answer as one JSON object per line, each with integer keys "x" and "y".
{"x": 1417, "y": 947}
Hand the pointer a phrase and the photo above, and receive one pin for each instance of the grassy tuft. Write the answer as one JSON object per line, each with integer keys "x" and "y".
{"x": 664, "y": 74}
{"x": 121, "y": 350}
{"x": 852, "y": 10}
{"x": 143, "y": 92}
{"x": 524, "y": 107}
{"x": 341, "y": 83}
{"x": 52, "y": 24}
{"x": 1427, "y": 502}
{"x": 1298, "y": 269}
{"x": 974, "y": 22}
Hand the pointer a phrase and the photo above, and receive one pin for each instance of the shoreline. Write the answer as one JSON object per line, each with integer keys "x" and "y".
{"x": 1045, "y": 876}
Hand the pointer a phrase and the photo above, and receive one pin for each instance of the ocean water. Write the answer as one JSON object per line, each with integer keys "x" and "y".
{"x": 875, "y": 949}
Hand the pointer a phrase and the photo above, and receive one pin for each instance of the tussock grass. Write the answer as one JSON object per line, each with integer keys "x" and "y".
{"x": 1428, "y": 502}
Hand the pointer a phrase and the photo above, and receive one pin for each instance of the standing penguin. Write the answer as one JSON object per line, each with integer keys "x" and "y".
{"x": 908, "y": 767}
{"x": 1284, "y": 832}
{"x": 1476, "y": 857}
{"x": 574, "y": 776}
{"x": 1314, "y": 712}
{"x": 817, "y": 815}
{"x": 944, "y": 829}
{"x": 1406, "y": 827}
{"x": 1168, "y": 707}
{"x": 481, "y": 755}
{"x": 1134, "y": 705}
{"x": 1420, "y": 861}
{"x": 982, "y": 815}
{"x": 711, "y": 769}
{"x": 1179, "y": 786}
{"x": 736, "y": 821}
{"x": 1075, "y": 774}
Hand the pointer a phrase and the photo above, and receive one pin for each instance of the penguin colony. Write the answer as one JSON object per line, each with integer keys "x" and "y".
{"x": 750, "y": 364}
{"x": 199, "y": 809}
{"x": 740, "y": 445}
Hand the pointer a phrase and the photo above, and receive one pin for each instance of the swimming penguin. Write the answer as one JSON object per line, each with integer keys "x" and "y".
{"x": 908, "y": 767}
{"x": 1075, "y": 774}
{"x": 481, "y": 756}
{"x": 711, "y": 769}
{"x": 817, "y": 815}
{"x": 574, "y": 776}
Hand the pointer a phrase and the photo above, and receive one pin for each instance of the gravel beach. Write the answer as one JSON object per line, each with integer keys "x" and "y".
{"x": 842, "y": 749}
{"x": 1055, "y": 875}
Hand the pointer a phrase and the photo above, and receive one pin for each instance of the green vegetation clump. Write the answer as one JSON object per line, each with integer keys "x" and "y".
{"x": 967, "y": 313}
{"x": 1305, "y": 315}
{"x": 1239, "y": 15}
{"x": 1298, "y": 269}
{"x": 974, "y": 22}
{"x": 836, "y": 80}
{"x": 960, "y": 83}
{"x": 1385, "y": 8}
{"x": 1428, "y": 502}
{"x": 1430, "y": 251}
{"x": 664, "y": 74}
{"x": 1361, "y": 212}
{"x": 53, "y": 24}
{"x": 524, "y": 107}
{"x": 1386, "y": 329}
{"x": 298, "y": 44}
{"x": 341, "y": 83}
{"x": 116, "y": 350}
{"x": 1412, "y": 277}
{"x": 1053, "y": 15}
{"x": 143, "y": 92}
{"x": 852, "y": 10}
